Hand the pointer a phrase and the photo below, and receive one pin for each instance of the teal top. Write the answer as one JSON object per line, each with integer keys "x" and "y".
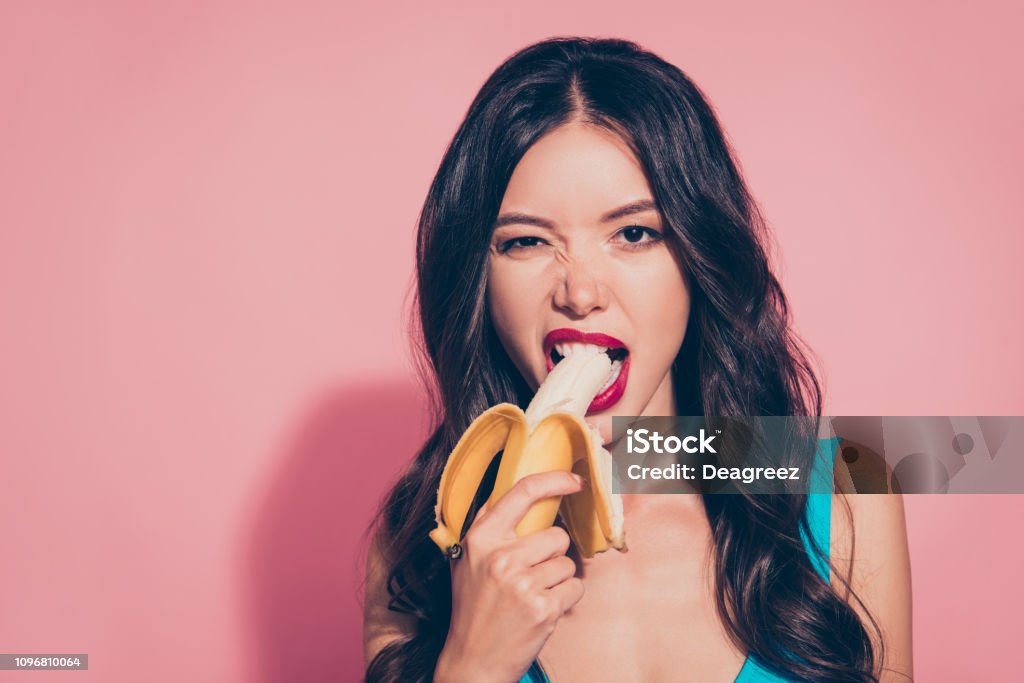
{"x": 819, "y": 520}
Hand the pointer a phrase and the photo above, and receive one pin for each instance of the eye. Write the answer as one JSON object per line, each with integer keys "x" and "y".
{"x": 637, "y": 236}
{"x": 519, "y": 243}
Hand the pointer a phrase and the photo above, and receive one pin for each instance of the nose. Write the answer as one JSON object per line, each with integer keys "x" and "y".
{"x": 581, "y": 290}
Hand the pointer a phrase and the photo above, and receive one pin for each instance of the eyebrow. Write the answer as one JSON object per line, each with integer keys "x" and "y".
{"x": 638, "y": 206}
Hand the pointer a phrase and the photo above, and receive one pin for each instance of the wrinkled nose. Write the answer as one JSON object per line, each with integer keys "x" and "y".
{"x": 581, "y": 291}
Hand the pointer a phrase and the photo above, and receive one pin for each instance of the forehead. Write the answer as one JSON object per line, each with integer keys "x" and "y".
{"x": 576, "y": 173}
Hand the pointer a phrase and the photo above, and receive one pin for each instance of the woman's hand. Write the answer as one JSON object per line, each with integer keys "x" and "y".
{"x": 508, "y": 593}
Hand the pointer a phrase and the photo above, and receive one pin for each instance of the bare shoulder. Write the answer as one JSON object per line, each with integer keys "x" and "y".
{"x": 870, "y": 556}
{"x": 381, "y": 625}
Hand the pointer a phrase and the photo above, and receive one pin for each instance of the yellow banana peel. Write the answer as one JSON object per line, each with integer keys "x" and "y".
{"x": 550, "y": 435}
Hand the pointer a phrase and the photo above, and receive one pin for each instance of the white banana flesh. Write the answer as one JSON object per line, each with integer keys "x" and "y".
{"x": 551, "y": 435}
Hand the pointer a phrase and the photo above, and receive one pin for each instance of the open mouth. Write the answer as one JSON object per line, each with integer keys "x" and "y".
{"x": 617, "y": 355}
{"x": 563, "y": 342}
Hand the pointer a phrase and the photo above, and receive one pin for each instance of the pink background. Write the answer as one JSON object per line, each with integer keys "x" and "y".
{"x": 207, "y": 221}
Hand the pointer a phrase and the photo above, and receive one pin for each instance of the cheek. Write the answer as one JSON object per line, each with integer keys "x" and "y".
{"x": 514, "y": 303}
{"x": 506, "y": 303}
{"x": 660, "y": 303}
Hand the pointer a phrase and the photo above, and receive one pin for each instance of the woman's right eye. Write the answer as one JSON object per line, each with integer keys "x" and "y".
{"x": 519, "y": 243}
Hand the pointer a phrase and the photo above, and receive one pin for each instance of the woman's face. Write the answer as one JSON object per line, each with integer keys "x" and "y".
{"x": 579, "y": 249}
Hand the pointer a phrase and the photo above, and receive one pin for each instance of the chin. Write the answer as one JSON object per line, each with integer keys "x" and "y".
{"x": 603, "y": 420}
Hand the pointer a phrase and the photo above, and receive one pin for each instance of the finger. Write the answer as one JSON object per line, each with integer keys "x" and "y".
{"x": 543, "y": 545}
{"x": 567, "y": 593}
{"x": 553, "y": 572}
{"x": 512, "y": 507}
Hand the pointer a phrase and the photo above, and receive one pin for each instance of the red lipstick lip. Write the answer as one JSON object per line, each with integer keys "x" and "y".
{"x": 565, "y": 334}
{"x": 610, "y": 396}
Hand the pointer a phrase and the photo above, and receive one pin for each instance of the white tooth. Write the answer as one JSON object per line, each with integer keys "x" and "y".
{"x": 561, "y": 349}
{"x": 592, "y": 348}
{"x": 568, "y": 349}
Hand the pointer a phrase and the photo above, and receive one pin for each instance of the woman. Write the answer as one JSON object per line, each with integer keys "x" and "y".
{"x": 590, "y": 190}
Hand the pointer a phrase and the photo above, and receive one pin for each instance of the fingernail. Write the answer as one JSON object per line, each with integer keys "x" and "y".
{"x": 579, "y": 479}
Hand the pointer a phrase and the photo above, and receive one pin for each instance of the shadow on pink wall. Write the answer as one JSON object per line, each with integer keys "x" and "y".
{"x": 306, "y": 554}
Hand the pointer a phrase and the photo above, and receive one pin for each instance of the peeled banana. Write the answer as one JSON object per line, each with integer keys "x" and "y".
{"x": 551, "y": 435}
